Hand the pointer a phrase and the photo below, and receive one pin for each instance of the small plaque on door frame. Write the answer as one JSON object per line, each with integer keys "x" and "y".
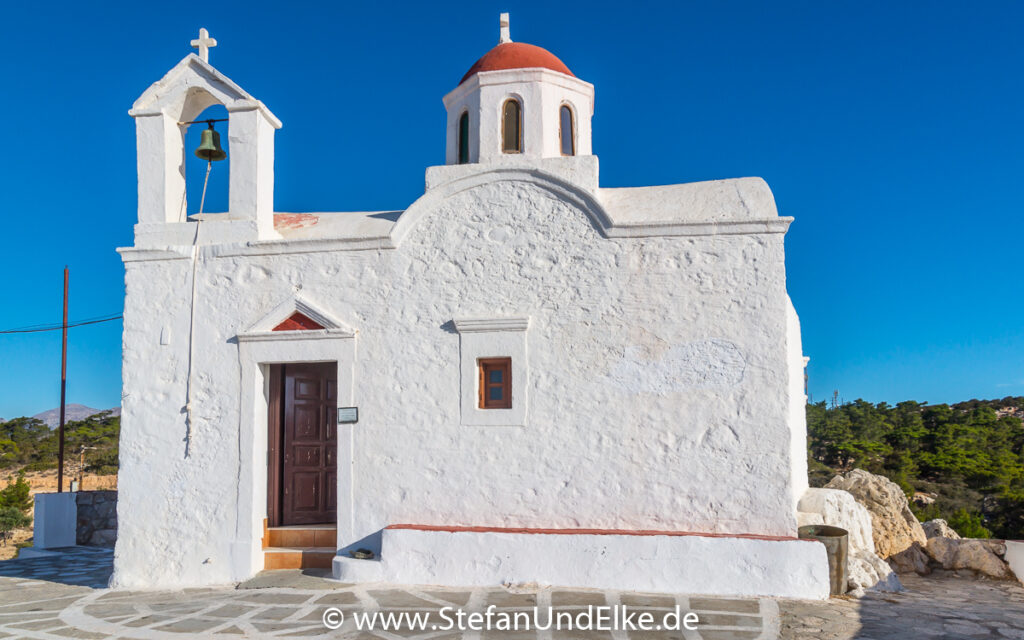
{"x": 348, "y": 415}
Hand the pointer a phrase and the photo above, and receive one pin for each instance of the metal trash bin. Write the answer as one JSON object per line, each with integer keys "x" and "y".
{"x": 837, "y": 543}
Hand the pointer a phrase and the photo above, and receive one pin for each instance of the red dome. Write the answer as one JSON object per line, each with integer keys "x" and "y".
{"x": 516, "y": 55}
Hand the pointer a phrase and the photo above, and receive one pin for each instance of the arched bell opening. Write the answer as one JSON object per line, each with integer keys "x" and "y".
{"x": 167, "y": 135}
{"x": 198, "y": 137}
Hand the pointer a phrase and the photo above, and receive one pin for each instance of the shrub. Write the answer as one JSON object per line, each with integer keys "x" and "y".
{"x": 17, "y": 494}
{"x": 11, "y": 518}
{"x": 969, "y": 525}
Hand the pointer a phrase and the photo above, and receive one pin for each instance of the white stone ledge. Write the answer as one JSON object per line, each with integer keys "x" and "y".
{"x": 744, "y": 566}
{"x": 478, "y": 325}
{"x": 316, "y": 334}
{"x": 313, "y": 245}
{"x": 739, "y": 227}
{"x": 137, "y": 254}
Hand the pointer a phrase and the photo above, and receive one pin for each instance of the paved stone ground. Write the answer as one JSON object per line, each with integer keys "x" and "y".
{"x": 59, "y": 597}
{"x": 943, "y": 605}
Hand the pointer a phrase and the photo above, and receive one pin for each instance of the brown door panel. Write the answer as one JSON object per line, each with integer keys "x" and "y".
{"x": 310, "y": 442}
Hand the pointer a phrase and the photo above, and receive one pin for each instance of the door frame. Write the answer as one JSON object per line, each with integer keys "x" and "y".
{"x": 259, "y": 348}
{"x": 275, "y": 430}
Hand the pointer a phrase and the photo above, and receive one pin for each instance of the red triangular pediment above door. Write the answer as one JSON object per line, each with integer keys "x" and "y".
{"x": 299, "y": 322}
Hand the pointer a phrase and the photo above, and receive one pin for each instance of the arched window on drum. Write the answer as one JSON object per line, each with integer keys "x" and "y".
{"x": 512, "y": 126}
{"x": 464, "y": 138}
{"x": 566, "y": 131}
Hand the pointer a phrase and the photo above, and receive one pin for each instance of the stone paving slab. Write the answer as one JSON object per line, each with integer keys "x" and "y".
{"x": 291, "y": 605}
{"x": 941, "y": 606}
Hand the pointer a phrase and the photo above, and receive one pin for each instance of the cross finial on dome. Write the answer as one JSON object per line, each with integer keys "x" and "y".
{"x": 204, "y": 43}
{"x": 503, "y": 24}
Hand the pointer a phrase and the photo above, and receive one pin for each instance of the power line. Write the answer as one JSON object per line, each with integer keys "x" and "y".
{"x": 57, "y": 327}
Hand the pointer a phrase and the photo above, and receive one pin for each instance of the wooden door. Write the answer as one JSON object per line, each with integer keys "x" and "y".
{"x": 309, "y": 444}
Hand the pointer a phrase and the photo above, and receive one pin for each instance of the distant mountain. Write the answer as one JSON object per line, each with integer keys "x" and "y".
{"x": 71, "y": 412}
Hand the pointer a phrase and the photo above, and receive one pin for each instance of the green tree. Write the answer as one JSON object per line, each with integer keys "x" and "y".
{"x": 11, "y": 518}
{"x": 968, "y": 525}
{"x": 16, "y": 494}
{"x": 970, "y": 455}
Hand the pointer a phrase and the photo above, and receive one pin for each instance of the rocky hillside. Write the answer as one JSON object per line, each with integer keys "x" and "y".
{"x": 72, "y": 412}
{"x": 963, "y": 462}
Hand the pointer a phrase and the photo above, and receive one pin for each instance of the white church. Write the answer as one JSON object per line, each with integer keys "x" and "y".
{"x": 523, "y": 377}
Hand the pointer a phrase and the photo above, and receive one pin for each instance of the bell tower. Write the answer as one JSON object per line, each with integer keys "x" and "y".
{"x": 518, "y": 102}
{"x": 162, "y": 115}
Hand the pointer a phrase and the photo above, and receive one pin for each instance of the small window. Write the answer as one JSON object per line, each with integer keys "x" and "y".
{"x": 495, "y": 383}
{"x": 565, "y": 131}
{"x": 511, "y": 127}
{"x": 464, "y": 138}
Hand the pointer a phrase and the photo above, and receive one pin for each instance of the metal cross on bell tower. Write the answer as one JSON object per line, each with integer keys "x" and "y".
{"x": 204, "y": 43}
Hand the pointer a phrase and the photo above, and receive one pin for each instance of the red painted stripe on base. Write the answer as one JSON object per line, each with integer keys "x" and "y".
{"x": 590, "y": 532}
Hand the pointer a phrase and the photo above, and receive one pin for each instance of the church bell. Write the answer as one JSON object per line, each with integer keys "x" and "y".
{"x": 209, "y": 145}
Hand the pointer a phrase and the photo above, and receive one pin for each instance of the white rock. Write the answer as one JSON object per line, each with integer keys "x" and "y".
{"x": 838, "y": 508}
{"x": 804, "y": 518}
{"x": 867, "y": 571}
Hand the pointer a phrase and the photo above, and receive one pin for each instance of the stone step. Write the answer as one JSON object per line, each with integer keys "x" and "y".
{"x": 304, "y": 536}
{"x": 298, "y": 557}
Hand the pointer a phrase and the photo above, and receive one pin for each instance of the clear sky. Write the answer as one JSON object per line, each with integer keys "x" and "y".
{"x": 891, "y": 131}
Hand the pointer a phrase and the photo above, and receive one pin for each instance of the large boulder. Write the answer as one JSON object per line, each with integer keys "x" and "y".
{"x": 840, "y": 509}
{"x": 939, "y": 528}
{"x": 975, "y": 555}
{"x": 942, "y": 550}
{"x": 804, "y": 518}
{"x": 913, "y": 559}
{"x": 997, "y": 547}
{"x": 946, "y": 548}
{"x": 893, "y": 524}
{"x": 865, "y": 570}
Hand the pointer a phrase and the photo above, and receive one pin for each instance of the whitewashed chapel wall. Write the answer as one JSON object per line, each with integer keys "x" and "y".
{"x": 658, "y": 398}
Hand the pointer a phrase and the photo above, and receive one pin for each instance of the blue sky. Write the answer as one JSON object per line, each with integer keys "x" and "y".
{"x": 891, "y": 131}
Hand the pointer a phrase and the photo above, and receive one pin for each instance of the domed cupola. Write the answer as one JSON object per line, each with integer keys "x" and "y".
{"x": 518, "y": 102}
{"x": 517, "y": 55}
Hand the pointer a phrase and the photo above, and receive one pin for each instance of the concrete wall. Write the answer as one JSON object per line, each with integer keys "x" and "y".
{"x": 1015, "y": 558}
{"x": 54, "y": 520}
{"x": 75, "y": 518}
{"x": 659, "y": 396}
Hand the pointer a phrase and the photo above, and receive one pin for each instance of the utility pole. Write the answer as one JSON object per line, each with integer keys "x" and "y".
{"x": 63, "y": 385}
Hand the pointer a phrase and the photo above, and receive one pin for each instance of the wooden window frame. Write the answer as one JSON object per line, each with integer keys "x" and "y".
{"x": 504, "y": 134}
{"x": 484, "y": 367}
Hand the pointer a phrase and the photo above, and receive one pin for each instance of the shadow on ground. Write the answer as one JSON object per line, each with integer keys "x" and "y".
{"x": 76, "y": 566}
{"x": 944, "y": 605}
